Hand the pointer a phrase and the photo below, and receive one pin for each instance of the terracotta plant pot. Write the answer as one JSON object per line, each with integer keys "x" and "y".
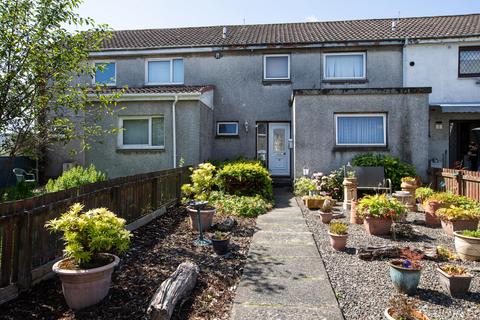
{"x": 377, "y": 226}
{"x": 456, "y": 286}
{"x": 458, "y": 225}
{"x": 206, "y": 218}
{"x": 338, "y": 241}
{"x": 431, "y": 219}
{"x": 405, "y": 280}
{"x": 417, "y": 314}
{"x": 220, "y": 246}
{"x": 84, "y": 288}
{"x": 314, "y": 203}
{"x": 467, "y": 248}
{"x": 326, "y": 216}
{"x": 353, "y": 214}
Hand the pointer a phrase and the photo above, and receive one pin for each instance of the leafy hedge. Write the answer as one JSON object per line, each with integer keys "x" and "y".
{"x": 245, "y": 179}
{"x": 75, "y": 177}
{"x": 395, "y": 168}
{"x": 243, "y": 206}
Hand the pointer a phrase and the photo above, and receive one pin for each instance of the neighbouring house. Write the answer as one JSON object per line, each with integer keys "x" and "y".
{"x": 293, "y": 95}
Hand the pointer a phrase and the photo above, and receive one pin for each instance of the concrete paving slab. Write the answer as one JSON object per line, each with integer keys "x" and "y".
{"x": 287, "y": 227}
{"x": 260, "y": 267}
{"x": 283, "y": 238}
{"x": 278, "y": 312}
{"x": 307, "y": 251}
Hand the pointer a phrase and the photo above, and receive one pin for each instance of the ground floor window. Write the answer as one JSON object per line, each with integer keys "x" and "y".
{"x": 366, "y": 129}
{"x": 227, "y": 128}
{"x": 142, "y": 132}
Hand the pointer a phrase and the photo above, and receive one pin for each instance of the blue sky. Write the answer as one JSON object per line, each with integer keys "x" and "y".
{"x": 128, "y": 14}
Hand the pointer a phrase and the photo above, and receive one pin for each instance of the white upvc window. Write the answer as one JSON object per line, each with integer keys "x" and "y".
{"x": 344, "y": 66}
{"x": 141, "y": 132}
{"x": 227, "y": 128}
{"x": 105, "y": 73}
{"x": 276, "y": 67}
{"x": 164, "y": 71}
{"x": 361, "y": 129}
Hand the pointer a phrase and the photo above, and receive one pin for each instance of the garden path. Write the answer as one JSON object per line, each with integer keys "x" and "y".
{"x": 285, "y": 277}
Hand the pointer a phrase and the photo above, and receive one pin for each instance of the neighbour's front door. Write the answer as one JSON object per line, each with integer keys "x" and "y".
{"x": 278, "y": 149}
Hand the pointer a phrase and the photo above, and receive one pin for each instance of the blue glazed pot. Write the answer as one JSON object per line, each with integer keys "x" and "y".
{"x": 405, "y": 279}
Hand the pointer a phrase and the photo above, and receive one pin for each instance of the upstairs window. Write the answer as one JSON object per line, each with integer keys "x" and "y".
{"x": 361, "y": 129}
{"x": 143, "y": 132}
{"x": 469, "y": 62}
{"x": 105, "y": 73}
{"x": 344, "y": 66}
{"x": 164, "y": 71}
{"x": 276, "y": 67}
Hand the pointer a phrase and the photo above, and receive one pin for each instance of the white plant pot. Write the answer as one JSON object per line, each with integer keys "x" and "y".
{"x": 468, "y": 248}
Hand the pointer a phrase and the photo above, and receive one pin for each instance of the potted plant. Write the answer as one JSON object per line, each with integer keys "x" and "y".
{"x": 326, "y": 211}
{"x": 456, "y": 219}
{"x": 454, "y": 279}
{"x": 378, "y": 213}
{"x": 434, "y": 202}
{"x": 405, "y": 273}
{"x": 338, "y": 235}
{"x": 403, "y": 308}
{"x": 354, "y": 218}
{"x": 314, "y": 202}
{"x": 90, "y": 239}
{"x": 203, "y": 181}
{"x": 467, "y": 244}
{"x": 422, "y": 194}
{"x": 220, "y": 242}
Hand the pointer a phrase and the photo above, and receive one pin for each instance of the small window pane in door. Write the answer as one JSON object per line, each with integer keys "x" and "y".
{"x": 135, "y": 132}
{"x": 279, "y": 140}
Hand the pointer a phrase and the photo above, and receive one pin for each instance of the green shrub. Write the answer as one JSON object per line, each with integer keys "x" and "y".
{"x": 303, "y": 185}
{"x": 245, "y": 179}
{"x": 203, "y": 182}
{"x": 243, "y": 206}
{"x": 379, "y": 206}
{"x": 75, "y": 177}
{"x": 88, "y": 234}
{"x": 339, "y": 228}
{"x": 395, "y": 169}
{"x": 421, "y": 194}
{"x": 19, "y": 191}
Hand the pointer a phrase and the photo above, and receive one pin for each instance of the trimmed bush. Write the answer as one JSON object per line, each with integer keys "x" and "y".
{"x": 203, "y": 182}
{"x": 75, "y": 177}
{"x": 395, "y": 168}
{"x": 245, "y": 179}
{"x": 242, "y": 206}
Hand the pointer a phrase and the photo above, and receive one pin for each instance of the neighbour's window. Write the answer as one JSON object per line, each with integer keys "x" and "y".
{"x": 165, "y": 71}
{"x": 105, "y": 73}
{"x": 361, "y": 129}
{"x": 276, "y": 67}
{"x": 469, "y": 62}
{"x": 227, "y": 128}
{"x": 142, "y": 132}
{"x": 344, "y": 66}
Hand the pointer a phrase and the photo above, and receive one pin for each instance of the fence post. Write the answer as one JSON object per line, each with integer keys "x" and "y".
{"x": 460, "y": 182}
{"x": 24, "y": 279}
{"x": 154, "y": 193}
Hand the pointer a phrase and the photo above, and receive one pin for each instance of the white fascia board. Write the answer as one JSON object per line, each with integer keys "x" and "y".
{"x": 150, "y": 97}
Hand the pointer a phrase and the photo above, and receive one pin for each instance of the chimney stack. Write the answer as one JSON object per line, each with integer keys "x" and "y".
{"x": 224, "y": 34}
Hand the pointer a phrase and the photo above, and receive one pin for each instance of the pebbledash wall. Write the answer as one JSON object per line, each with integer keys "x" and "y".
{"x": 313, "y": 111}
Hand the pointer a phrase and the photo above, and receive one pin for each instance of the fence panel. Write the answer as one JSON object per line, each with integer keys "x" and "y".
{"x": 461, "y": 182}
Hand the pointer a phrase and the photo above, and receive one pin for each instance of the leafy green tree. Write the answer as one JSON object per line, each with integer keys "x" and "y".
{"x": 46, "y": 92}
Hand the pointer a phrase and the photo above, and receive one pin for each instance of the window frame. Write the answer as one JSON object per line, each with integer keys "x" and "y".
{"x": 140, "y": 146}
{"x": 351, "y": 53}
{"x": 266, "y": 56}
{"x": 147, "y": 61}
{"x": 358, "y": 115}
{"x": 94, "y": 81}
{"x": 467, "y": 48}
{"x": 227, "y": 134}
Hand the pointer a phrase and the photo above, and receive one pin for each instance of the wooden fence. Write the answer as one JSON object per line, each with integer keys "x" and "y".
{"x": 462, "y": 182}
{"x": 27, "y": 249}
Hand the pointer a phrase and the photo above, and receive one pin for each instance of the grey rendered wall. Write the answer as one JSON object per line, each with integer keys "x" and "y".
{"x": 116, "y": 162}
{"x": 407, "y": 132}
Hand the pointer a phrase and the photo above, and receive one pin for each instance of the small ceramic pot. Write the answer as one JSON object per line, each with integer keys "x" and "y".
{"x": 326, "y": 217}
{"x": 353, "y": 214}
{"x": 220, "y": 246}
{"x": 405, "y": 280}
{"x": 431, "y": 219}
{"x": 338, "y": 241}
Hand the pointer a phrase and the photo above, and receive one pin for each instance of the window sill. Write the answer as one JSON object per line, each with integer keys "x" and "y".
{"x": 140, "y": 150}
{"x": 267, "y": 82}
{"x": 345, "y": 81}
{"x": 227, "y": 137}
{"x": 360, "y": 148}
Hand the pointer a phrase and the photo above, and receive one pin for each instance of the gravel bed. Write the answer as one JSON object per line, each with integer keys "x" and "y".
{"x": 157, "y": 249}
{"x": 363, "y": 288}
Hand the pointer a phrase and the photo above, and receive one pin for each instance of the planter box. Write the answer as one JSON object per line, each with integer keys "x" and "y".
{"x": 456, "y": 286}
{"x": 467, "y": 248}
{"x": 457, "y": 225}
{"x": 377, "y": 226}
{"x": 314, "y": 203}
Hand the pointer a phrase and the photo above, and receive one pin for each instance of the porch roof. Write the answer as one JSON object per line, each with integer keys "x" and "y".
{"x": 459, "y": 107}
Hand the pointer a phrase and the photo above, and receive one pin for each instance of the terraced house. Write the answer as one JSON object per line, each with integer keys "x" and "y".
{"x": 294, "y": 95}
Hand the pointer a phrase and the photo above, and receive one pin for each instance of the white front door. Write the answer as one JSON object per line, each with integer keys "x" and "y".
{"x": 278, "y": 149}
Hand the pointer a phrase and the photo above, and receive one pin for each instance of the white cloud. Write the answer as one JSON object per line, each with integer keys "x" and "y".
{"x": 311, "y": 18}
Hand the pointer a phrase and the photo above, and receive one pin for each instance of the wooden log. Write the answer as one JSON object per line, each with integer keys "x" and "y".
{"x": 172, "y": 290}
{"x": 379, "y": 252}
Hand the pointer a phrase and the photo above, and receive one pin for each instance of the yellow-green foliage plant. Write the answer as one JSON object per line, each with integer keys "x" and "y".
{"x": 379, "y": 206}
{"x": 454, "y": 213}
{"x": 339, "y": 228}
{"x": 423, "y": 193}
{"x": 303, "y": 185}
{"x": 203, "y": 182}
{"x": 88, "y": 234}
{"x": 75, "y": 177}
